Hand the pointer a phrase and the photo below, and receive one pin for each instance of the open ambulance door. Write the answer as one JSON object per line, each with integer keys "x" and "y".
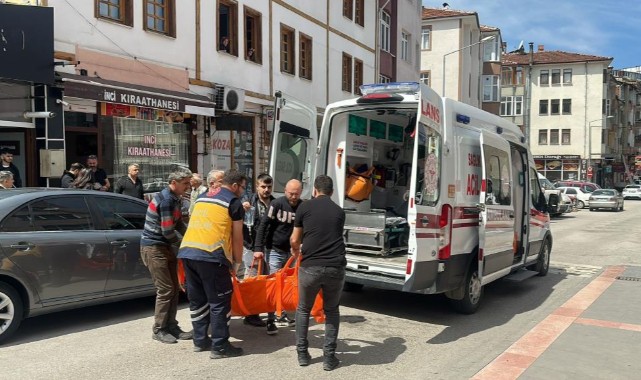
{"x": 293, "y": 148}
{"x": 429, "y": 241}
{"x": 496, "y": 227}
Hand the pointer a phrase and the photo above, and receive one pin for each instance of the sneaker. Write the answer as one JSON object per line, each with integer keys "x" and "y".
{"x": 164, "y": 336}
{"x": 204, "y": 347}
{"x": 254, "y": 320}
{"x": 271, "y": 328}
{"x": 330, "y": 362}
{"x": 284, "y": 321}
{"x": 227, "y": 351}
{"x": 179, "y": 334}
{"x": 304, "y": 358}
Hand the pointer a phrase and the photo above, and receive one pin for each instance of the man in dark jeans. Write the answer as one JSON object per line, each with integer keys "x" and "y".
{"x": 319, "y": 228}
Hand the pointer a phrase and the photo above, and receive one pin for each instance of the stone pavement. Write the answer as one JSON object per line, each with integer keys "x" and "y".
{"x": 596, "y": 334}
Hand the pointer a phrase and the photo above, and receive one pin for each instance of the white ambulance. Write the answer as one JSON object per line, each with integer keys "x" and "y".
{"x": 455, "y": 202}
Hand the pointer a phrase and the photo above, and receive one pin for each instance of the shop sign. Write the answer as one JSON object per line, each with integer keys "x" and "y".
{"x": 142, "y": 113}
{"x": 558, "y": 157}
{"x": 148, "y": 151}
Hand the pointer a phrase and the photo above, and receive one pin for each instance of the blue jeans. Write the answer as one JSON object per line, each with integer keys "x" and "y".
{"x": 276, "y": 260}
{"x": 310, "y": 281}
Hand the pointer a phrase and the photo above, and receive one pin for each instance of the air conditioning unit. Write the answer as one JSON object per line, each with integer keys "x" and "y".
{"x": 229, "y": 99}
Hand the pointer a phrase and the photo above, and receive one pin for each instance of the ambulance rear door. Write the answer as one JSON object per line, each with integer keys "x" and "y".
{"x": 293, "y": 148}
{"x": 496, "y": 228}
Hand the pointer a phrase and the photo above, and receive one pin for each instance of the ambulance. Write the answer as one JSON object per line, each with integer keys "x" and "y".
{"x": 439, "y": 196}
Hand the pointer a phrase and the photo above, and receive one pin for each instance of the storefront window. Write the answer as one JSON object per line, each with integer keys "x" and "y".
{"x": 243, "y": 159}
{"x": 558, "y": 168}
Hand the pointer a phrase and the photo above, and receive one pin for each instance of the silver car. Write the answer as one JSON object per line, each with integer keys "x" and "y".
{"x": 606, "y": 198}
{"x": 67, "y": 248}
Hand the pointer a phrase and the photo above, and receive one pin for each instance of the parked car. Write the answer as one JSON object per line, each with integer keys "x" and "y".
{"x": 553, "y": 196}
{"x": 568, "y": 204}
{"x": 582, "y": 198}
{"x": 632, "y": 191}
{"x": 606, "y": 198}
{"x": 587, "y": 187}
{"x": 65, "y": 249}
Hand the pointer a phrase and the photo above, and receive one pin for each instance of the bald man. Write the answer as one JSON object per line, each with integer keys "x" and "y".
{"x": 274, "y": 231}
{"x": 130, "y": 184}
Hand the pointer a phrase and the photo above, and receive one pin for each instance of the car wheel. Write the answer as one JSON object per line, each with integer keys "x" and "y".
{"x": 472, "y": 295}
{"x": 580, "y": 204}
{"x": 11, "y": 311}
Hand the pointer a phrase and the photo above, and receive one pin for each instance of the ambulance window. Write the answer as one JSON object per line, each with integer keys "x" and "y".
{"x": 498, "y": 176}
{"x": 535, "y": 189}
{"x": 290, "y": 160}
{"x": 429, "y": 166}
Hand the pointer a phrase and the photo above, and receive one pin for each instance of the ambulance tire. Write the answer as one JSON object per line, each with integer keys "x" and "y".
{"x": 352, "y": 287}
{"x": 543, "y": 263}
{"x": 473, "y": 293}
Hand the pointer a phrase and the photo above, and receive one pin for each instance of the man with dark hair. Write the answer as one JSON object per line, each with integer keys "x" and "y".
{"x": 256, "y": 207}
{"x": 212, "y": 246}
{"x": 6, "y": 164}
{"x": 70, "y": 175}
{"x": 319, "y": 228}
{"x": 158, "y": 246}
{"x": 98, "y": 175}
{"x": 130, "y": 184}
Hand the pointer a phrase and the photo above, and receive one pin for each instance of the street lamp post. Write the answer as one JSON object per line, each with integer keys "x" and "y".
{"x": 590, "y": 138}
{"x": 456, "y": 51}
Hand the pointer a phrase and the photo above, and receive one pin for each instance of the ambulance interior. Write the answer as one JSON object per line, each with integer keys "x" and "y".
{"x": 378, "y": 143}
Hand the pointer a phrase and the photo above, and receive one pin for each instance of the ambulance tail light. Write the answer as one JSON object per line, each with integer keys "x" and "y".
{"x": 445, "y": 238}
{"x": 408, "y": 269}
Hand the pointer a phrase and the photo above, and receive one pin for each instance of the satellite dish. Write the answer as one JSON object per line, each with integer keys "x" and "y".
{"x": 520, "y": 46}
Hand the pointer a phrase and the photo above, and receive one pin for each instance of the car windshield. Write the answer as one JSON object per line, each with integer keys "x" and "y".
{"x": 604, "y": 192}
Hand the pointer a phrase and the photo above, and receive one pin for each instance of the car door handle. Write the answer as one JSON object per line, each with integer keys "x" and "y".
{"x": 23, "y": 245}
{"x": 425, "y": 221}
{"x": 120, "y": 243}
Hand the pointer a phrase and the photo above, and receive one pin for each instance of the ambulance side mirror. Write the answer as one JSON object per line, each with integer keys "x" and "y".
{"x": 542, "y": 204}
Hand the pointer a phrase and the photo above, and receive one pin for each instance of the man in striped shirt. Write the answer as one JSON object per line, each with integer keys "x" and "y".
{"x": 158, "y": 246}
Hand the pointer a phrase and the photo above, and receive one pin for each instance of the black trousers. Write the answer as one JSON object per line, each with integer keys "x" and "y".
{"x": 209, "y": 287}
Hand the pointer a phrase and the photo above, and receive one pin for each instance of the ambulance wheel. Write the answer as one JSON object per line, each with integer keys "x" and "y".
{"x": 473, "y": 293}
{"x": 352, "y": 287}
{"x": 543, "y": 263}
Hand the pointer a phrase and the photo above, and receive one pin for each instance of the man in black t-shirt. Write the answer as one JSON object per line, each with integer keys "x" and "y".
{"x": 98, "y": 175}
{"x": 319, "y": 228}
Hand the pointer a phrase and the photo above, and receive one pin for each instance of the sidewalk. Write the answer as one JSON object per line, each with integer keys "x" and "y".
{"x": 595, "y": 335}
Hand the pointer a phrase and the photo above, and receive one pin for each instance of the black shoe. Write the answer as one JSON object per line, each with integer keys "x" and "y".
{"x": 227, "y": 351}
{"x": 271, "y": 328}
{"x": 304, "y": 358}
{"x": 181, "y": 335}
{"x": 254, "y": 320}
{"x": 203, "y": 348}
{"x": 330, "y": 362}
{"x": 284, "y": 321}
{"x": 164, "y": 336}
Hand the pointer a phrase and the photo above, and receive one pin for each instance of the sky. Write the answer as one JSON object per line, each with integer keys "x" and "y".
{"x": 598, "y": 27}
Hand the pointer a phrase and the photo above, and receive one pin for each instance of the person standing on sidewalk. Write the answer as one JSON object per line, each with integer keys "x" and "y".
{"x": 212, "y": 246}
{"x": 98, "y": 175}
{"x": 319, "y": 228}
{"x": 130, "y": 184}
{"x": 276, "y": 227}
{"x": 260, "y": 202}
{"x": 158, "y": 247}
{"x": 6, "y": 164}
{"x": 197, "y": 188}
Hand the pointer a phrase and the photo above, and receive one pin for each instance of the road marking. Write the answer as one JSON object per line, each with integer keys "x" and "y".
{"x": 519, "y": 356}
{"x": 579, "y": 270}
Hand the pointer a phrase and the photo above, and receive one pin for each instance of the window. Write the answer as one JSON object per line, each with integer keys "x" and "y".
{"x": 61, "y": 214}
{"x": 115, "y": 10}
{"x": 543, "y": 137}
{"x": 405, "y": 46}
{"x": 567, "y": 76}
{"x": 347, "y": 73}
{"x": 359, "y": 12}
{"x": 384, "y": 79}
{"x": 253, "y": 36}
{"x": 425, "y": 77}
{"x": 498, "y": 176}
{"x": 544, "y": 78}
{"x": 490, "y": 88}
{"x": 518, "y": 78}
{"x": 305, "y": 56}
{"x": 287, "y": 64}
{"x": 491, "y": 50}
{"x": 606, "y": 107}
{"x": 567, "y": 106}
{"x": 554, "y": 137}
{"x": 506, "y": 75}
{"x": 554, "y": 106}
{"x": 18, "y": 221}
{"x": 385, "y": 31}
{"x": 511, "y": 105}
{"x": 565, "y": 136}
{"x": 228, "y": 27}
{"x": 121, "y": 214}
{"x": 358, "y": 76}
{"x": 543, "y": 107}
{"x": 426, "y": 41}
{"x": 160, "y": 16}
{"x": 348, "y": 8}
{"x": 556, "y": 76}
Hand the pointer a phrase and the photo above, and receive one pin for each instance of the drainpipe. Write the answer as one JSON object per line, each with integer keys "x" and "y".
{"x": 528, "y": 97}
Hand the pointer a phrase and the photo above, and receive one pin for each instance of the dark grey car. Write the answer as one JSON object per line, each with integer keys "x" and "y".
{"x": 64, "y": 249}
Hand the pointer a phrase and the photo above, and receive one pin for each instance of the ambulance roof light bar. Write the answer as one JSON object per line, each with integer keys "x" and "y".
{"x": 390, "y": 88}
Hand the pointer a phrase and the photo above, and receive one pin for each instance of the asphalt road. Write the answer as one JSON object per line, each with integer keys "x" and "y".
{"x": 384, "y": 334}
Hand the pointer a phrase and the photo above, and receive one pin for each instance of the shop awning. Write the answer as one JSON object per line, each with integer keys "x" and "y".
{"x": 108, "y": 91}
